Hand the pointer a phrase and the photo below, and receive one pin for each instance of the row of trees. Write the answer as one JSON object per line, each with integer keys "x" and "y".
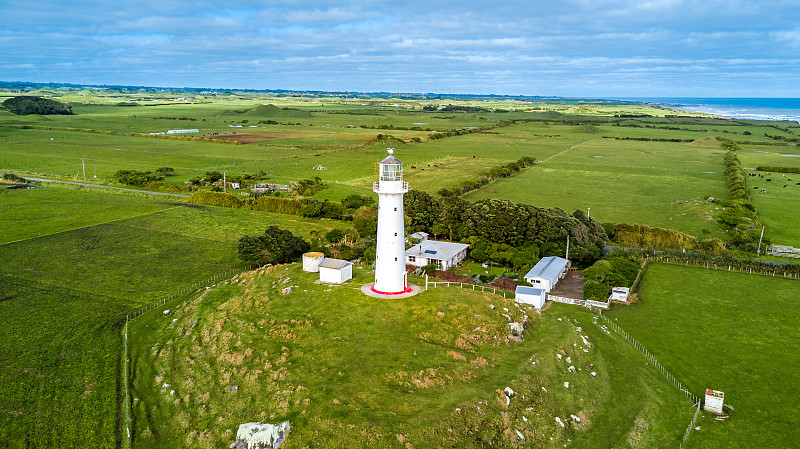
{"x": 740, "y": 216}
{"x": 643, "y": 236}
{"x": 138, "y": 178}
{"x": 506, "y": 231}
{"x": 484, "y": 178}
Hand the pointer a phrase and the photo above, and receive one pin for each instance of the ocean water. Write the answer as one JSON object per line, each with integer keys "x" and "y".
{"x": 737, "y": 108}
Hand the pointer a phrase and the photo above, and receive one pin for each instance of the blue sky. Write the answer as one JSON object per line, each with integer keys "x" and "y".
{"x": 583, "y": 48}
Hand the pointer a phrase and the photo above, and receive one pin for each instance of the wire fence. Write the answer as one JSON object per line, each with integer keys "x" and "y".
{"x": 183, "y": 293}
{"x": 652, "y": 359}
{"x": 691, "y": 426}
{"x": 674, "y": 380}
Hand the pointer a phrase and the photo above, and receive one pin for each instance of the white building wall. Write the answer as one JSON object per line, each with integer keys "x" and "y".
{"x": 535, "y": 301}
{"x": 542, "y": 283}
{"x": 390, "y": 261}
{"x": 334, "y": 276}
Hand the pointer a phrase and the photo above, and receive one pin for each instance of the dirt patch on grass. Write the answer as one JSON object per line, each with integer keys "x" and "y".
{"x": 571, "y": 286}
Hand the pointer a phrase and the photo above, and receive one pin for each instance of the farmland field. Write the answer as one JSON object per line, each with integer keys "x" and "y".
{"x": 64, "y": 295}
{"x": 76, "y": 261}
{"x": 727, "y": 331}
{"x": 653, "y": 183}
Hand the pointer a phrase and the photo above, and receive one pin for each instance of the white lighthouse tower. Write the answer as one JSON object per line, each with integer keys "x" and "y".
{"x": 390, "y": 264}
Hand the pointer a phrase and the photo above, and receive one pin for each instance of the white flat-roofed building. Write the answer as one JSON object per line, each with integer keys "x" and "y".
{"x": 546, "y": 273}
{"x": 183, "y": 131}
{"x": 335, "y": 271}
{"x": 619, "y": 293}
{"x": 530, "y": 295}
{"x": 442, "y": 254}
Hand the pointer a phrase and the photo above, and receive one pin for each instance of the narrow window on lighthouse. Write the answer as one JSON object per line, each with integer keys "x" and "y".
{"x": 395, "y": 209}
{"x": 395, "y": 259}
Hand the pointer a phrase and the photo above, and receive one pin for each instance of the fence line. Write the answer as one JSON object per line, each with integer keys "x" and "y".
{"x": 691, "y": 426}
{"x": 127, "y": 403}
{"x": 728, "y": 267}
{"x": 588, "y": 303}
{"x": 465, "y": 285}
{"x": 183, "y": 293}
{"x": 652, "y": 359}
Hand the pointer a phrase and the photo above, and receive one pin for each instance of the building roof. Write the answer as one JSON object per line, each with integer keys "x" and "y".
{"x": 549, "y": 268}
{"x": 336, "y": 264}
{"x": 620, "y": 290}
{"x": 529, "y": 290}
{"x": 391, "y": 160}
{"x": 434, "y": 249}
{"x": 420, "y": 235}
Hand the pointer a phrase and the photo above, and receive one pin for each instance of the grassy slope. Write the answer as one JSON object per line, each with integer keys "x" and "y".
{"x": 348, "y": 370}
{"x": 727, "y": 331}
{"x": 63, "y": 295}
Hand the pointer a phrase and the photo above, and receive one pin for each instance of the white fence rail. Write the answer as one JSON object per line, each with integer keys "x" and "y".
{"x": 466, "y": 285}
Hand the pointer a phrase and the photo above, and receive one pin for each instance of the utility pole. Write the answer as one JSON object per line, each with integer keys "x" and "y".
{"x": 83, "y": 164}
{"x": 758, "y": 253}
{"x": 567, "y": 255}
{"x": 224, "y": 183}
{"x": 588, "y": 212}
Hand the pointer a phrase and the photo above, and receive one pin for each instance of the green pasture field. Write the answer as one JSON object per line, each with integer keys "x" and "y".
{"x": 726, "y": 331}
{"x": 29, "y": 213}
{"x": 348, "y": 370}
{"x": 778, "y": 206}
{"x": 654, "y": 183}
{"x": 65, "y": 292}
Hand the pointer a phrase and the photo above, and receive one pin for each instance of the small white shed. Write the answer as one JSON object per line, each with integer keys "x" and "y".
{"x": 335, "y": 271}
{"x": 311, "y": 261}
{"x": 530, "y": 295}
{"x": 619, "y": 294}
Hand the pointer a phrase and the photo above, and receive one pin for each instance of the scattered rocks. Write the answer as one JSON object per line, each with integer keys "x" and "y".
{"x": 505, "y": 316}
{"x": 575, "y": 418}
{"x": 286, "y": 291}
{"x": 566, "y": 384}
{"x": 571, "y": 369}
{"x": 167, "y": 312}
{"x": 234, "y": 388}
{"x": 509, "y": 392}
{"x": 520, "y": 436}
{"x": 172, "y": 392}
{"x": 256, "y": 435}
{"x": 558, "y": 420}
{"x": 515, "y": 328}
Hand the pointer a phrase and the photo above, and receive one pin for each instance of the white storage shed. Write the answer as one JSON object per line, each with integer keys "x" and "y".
{"x": 335, "y": 271}
{"x": 530, "y": 295}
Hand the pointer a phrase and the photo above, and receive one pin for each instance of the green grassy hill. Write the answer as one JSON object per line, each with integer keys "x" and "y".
{"x": 349, "y": 370}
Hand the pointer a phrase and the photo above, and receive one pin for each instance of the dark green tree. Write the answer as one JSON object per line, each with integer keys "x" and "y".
{"x": 275, "y": 245}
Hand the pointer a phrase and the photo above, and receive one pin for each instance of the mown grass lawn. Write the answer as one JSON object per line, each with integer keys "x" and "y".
{"x": 727, "y": 331}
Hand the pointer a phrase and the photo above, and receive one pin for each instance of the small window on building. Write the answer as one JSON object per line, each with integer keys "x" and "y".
{"x": 395, "y": 234}
{"x": 412, "y": 259}
{"x": 395, "y": 259}
{"x": 395, "y": 209}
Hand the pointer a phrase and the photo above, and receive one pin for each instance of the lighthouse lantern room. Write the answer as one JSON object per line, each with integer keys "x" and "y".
{"x": 390, "y": 265}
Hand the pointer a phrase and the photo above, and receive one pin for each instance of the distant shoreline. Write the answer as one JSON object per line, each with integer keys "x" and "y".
{"x": 775, "y": 109}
